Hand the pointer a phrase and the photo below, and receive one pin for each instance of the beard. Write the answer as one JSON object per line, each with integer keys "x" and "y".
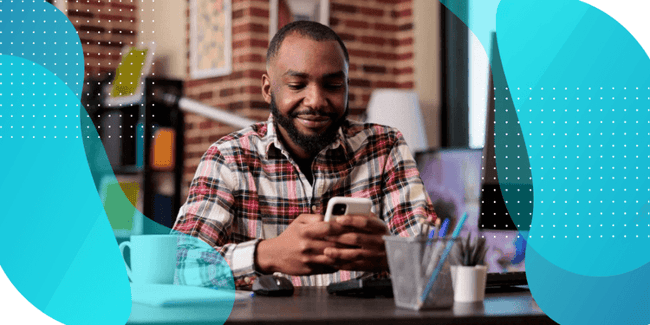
{"x": 312, "y": 144}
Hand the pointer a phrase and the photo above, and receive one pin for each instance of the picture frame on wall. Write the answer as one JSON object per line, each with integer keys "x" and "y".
{"x": 283, "y": 12}
{"x": 210, "y": 38}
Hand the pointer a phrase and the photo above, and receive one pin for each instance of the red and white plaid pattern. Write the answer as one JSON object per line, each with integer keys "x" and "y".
{"x": 247, "y": 187}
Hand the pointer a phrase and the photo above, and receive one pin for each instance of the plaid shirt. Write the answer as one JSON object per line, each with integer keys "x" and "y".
{"x": 247, "y": 187}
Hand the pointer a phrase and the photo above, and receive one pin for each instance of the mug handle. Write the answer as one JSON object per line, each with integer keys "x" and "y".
{"x": 123, "y": 245}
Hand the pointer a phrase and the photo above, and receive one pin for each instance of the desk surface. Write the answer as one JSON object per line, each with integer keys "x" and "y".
{"x": 316, "y": 306}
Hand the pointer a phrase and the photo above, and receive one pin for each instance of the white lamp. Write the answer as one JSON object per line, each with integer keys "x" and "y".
{"x": 399, "y": 109}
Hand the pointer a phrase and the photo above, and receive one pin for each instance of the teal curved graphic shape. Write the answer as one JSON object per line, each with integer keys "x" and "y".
{"x": 581, "y": 89}
{"x": 579, "y": 82}
{"x": 61, "y": 254}
{"x": 570, "y": 298}
{"x": 512, "y": 159}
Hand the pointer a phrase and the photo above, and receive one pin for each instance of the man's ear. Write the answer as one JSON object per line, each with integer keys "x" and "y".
{"x": 266, "y": 88}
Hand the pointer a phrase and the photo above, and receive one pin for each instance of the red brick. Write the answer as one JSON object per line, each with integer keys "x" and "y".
{"x": 354, "y": 82}
{"x": 122, "y": 31}
{"x": 95, "y": 55}
{"x": 236, "y": 105}
{"x": 192, "y": 140}
{"x": 206, "y": 95}
{"x": 374, "y": 68}
{"x": 386, "y": 84}
{"x": 365, "y": 98}
{"x": 78, "y": 13}
{"x": 354, "y": 111}
{"x": 347, "y": 37}
{"x": 91, "y": 29}
{"x": 334, "y": 21}
{"x": 353, "y": 67}
{"x": 360, "y": 53}
{"x": 338, "y": 7}
{"x": 234, "y": 76}
{"x": 190, "y": 170}
{"x": 250, "y": 27}
{"x": 258, "y": 104}
{"x": 356, "y": 24}
{"x": 407, "y": 85}
{"x": 257, "y": 12}
{"x": 256, "y": 74}
{"x": 386, "y": 56}
{"x": 254, "y": 90}
{"x": 205, "y": 125}
{"x": 373, "y": 40}
{"x": 401, "y": 13}
{"x": 386, "y": 27}
{"x": 214, "y": 138}
{"x": 406, "y": 41}
{"x": 226, "y": 92}
{"x": 238, "y": 14}
{"x": 249, "y": 58}
{"x": 371, "y": 12}
{"x": 123, "y": 5}
{"x": 117, "y": 17}
{"x": 406, "y": 56}
{"x": 407, "y": 70}
{"x": 351, "y": 97}
{"x": 194, "y": 154}
{"x": 388, "y": 1}
{"x": 404, "y": 27}
{"x": 251, "y": 43}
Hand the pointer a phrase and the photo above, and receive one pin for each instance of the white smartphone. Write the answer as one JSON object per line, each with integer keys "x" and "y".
{"x": 339, "y": 206}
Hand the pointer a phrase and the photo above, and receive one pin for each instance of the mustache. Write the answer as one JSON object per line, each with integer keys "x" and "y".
{"x": 313, "y": 113}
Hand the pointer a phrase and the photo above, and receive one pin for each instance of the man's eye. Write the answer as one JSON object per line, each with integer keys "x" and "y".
{"x": 334, "y": 86}
{"x": 296, "y": 86}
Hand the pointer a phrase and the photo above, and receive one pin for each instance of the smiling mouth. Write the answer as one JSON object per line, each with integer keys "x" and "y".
{"x": 313, "y": 121}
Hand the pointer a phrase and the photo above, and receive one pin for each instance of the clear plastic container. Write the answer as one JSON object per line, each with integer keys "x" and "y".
{"x": 410, "y": 271}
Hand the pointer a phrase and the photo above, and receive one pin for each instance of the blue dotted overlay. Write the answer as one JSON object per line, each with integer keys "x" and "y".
{"x": 39, "y": 32}
{"x": 60, "y": 251}
{"x": 580, "y": 85}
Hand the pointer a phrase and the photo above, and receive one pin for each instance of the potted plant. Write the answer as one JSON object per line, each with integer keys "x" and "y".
{"x": 469, "y": 272}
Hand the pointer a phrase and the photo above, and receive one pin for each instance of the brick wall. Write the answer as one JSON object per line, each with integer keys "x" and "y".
{"x": 104, "y": 27}
{"x": 379, "y": 38}
{"x": 377, "y": 33}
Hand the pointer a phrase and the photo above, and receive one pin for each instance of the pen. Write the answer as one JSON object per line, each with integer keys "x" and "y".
{"x": 427, "y": 256}
{"x": 443, "y": 228}
{"x": 440, "y": 263}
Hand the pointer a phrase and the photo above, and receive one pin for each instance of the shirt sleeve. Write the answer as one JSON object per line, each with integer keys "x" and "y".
{"x": 405, "y": 199}
{"x": 209, "y": 216}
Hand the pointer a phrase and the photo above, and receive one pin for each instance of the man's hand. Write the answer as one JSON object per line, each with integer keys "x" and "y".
{"x": 299, "y": 249}
{"x": 362, "y": 236}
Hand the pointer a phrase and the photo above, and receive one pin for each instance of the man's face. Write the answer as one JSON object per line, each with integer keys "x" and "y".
{"x": 306, "y": 86}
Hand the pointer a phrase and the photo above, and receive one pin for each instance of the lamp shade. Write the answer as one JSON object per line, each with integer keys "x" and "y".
{"x": 399, "y": 109}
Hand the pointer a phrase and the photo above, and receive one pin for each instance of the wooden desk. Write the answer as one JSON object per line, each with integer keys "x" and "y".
{"x": 316, "y": 306}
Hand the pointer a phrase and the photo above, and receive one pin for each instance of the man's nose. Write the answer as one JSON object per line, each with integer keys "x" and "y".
{"x": 315, "y": 98}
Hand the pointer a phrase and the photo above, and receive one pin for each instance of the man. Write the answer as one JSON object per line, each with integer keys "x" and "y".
{"x": 259, "y": 194}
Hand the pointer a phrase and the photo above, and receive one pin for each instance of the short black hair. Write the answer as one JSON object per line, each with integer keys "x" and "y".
{"x": 310, "y": 29}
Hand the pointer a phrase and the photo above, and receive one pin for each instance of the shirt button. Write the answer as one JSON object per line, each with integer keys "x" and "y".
{"x": 314, "y": 208}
